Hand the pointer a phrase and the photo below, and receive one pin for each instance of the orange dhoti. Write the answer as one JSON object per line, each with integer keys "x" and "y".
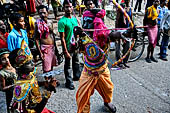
{"x": 98, "y": 79}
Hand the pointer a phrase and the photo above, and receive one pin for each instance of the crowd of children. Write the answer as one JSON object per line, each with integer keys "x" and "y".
{"x": 17, "y": 69}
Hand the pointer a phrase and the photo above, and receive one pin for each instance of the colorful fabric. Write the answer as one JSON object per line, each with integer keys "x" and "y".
{"x": 45, "y": 110}
{"x": 42, "y": 28}
{"x": 32, "y": 26}
{"x": 67, "y": 25}
{"x": 49, "y": 57}
{"x": 3, "y": 38}
{"x": 26, "y": 93}
{"x": 14, "y": 39}
{"x": 100, "y": 37}
{"x": 24, "y": 54}
{"x": 152, "y": 34}
{"x": 91, "y": 21}
{"x": 152, "y": 13}
{"x": 88, "y": 14}
{"x": 89, "y": 82}
{"x": 31, "y": 7}
{"x": 23, "y": 88}
{"x": 94, "y": 57}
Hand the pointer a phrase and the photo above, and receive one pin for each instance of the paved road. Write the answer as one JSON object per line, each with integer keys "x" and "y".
{"x": 142, "y": 88}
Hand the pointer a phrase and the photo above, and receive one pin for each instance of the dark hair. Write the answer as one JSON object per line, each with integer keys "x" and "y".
{"x": 169, "y": 5}
{"x": 42, "y": 7}
{"x": 67, "y": 2}
{"x": 14, "y": 17}
{"x": 12, "y": 57}
{"x": 85, "y": 2}
{"x": 4, "y": 51}
{"x": 161, "y": 1}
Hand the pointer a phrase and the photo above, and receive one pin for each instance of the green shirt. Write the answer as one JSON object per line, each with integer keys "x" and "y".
{"x": 66, "y": 25}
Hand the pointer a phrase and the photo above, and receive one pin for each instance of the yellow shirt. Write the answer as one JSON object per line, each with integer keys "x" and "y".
{"x": 152, "y": 12}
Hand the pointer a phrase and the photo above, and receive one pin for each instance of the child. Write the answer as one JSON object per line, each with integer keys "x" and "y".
{"x": 18, "y": 33}
{"x": 3, "y": 36}
{"x": 27, "y": 97}
{"x": 7, "y": 76}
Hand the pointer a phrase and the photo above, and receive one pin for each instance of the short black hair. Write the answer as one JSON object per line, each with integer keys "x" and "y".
{"x": 67, "y": 2}
{"x": 4, "y": 51}
{"x": 42, "y": 7}
{"x": 85, "y": 2}
{"x": 161, "y": 1}
{"x": 14, "y": 17}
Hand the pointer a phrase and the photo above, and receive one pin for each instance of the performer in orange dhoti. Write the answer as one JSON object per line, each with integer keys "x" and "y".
{"x": 96, "y": 74}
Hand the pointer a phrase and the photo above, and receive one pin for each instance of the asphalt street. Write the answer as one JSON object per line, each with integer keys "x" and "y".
{"x": 142, "y": 88}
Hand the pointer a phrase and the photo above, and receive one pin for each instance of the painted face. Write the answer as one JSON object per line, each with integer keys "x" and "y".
{"x": 4, "y": 60}
{"x": 90, "y": 5}
{"x": 43, "y": 14}
{"x": 28, "y": 67}
{"x": 68, "y": 8}
{"x": 21, "y": 23}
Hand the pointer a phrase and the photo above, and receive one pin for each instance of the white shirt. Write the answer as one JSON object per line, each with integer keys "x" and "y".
{"x": 165, "y": 22}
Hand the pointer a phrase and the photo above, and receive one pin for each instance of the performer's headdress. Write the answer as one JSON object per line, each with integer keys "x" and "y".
{"x": 20, "y": 56}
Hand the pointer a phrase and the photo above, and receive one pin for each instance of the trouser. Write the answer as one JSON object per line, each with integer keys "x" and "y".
{"x": 88, "y": 83}
{"x": 9, "y": 95}
{"x": 126, "y": 46}
{"x": 75, "y": 67}
{"x": 55, "y": 10}
{"x": 138, "y": 4}
{"x": 158, "y": 36}
{"x": 164, "y": 46}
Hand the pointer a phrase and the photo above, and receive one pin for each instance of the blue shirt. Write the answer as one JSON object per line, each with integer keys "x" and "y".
{"x": 14, "y": 39}
{"x": 162, "y": 11}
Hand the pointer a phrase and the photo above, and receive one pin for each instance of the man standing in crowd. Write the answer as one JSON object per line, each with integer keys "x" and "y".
{"x": 65, "y": 28}
{"x": 165, "y": 28}
{"x": 162, "y": 9}
{"x": 44, "y": 40}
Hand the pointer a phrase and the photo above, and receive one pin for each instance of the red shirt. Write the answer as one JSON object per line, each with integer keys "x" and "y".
{"x": 3, "y": 44}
